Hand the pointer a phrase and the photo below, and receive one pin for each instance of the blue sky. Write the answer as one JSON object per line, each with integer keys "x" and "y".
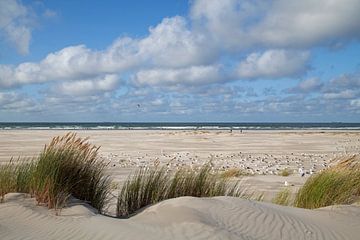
{"x": 199, "y": 60}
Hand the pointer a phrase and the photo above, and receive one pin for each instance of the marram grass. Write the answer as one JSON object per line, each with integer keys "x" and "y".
{"x": 15, "y": 176}
{"x": 233, "y": 173}
{"x": 7, "y": 181}
{"x": 70, "y": 166}
{"x": 285, "y": 172}
{"x": 336, "y": 185}
{"x": 67, "y": 166}
{"x": 150, "y": 186}
{"x": 283, "y": 197}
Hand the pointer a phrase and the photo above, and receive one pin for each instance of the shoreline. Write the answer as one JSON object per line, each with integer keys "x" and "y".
{"x": 190, "y": 130}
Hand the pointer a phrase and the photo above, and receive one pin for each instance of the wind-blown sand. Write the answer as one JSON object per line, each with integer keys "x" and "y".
{"x": 181, "y": 218}
{"x": 261, "y": 153}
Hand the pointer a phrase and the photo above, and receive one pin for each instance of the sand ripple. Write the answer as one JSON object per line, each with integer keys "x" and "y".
{"x": 181, "y": 218}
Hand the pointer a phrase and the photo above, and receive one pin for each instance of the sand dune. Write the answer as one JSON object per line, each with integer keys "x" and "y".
{"x": 181, "y": 218}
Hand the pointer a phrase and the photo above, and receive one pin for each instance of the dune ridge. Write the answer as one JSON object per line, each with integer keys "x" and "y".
{"x": 180, "y": 218}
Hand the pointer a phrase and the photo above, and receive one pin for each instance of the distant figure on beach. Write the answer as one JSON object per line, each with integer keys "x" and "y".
{"x": 301, "y": 172}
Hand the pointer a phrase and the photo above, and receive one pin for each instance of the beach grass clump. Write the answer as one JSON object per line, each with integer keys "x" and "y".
{"x": 283, "y": 197}
{"x": 15, "y": 176}
{"x": 145, "y": 187}
{"x": 336, "y": 185}
{"x": 23, "y": 174}
{"x": 233, "y": 173}
{"x": 150, "y": 186}
{"x": 198, "y": 183}
{"x": 7, "y": 180}
{"x": 70, "y": 166}
{"x": 285, "y": 172}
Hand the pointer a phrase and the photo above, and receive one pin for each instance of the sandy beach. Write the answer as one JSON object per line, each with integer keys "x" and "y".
{"x": 262, "y": 155}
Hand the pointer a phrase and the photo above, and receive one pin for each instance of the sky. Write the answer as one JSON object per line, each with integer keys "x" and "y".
{"x": 180, "y": 61}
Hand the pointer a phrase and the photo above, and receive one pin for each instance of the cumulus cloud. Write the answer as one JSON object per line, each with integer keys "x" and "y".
{"x": 346, "y": 94}
{"x": 346, "y": 86}
{"x": 338, "y": 95}
{"x": 308, "y": 85}
{"x": 15, "y": 102}
{"x": 75, "y": 62}
{"x": 193, "y": 58}
{"x": 243, "y": 24}
{"x": 176, "y": 44}
{"x": 105, "y": 83}
{"x": 172, "y": 44}
{"x": 169, "y": 44}
{"x": 274, "y": 64}
{"x": 195, "y": 75}
{"x": 344, "y": 81}
{"x": 15, "y": 24}
{"x": 355, "y": 103}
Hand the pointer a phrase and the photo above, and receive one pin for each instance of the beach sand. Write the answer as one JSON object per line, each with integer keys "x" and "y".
{"x": 180, "y": 218}
{"x": 261, "y": 154}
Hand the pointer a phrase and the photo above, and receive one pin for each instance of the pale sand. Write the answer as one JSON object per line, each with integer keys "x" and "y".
{"x": 264, "y": 153}
{"x": 181, "y": 218}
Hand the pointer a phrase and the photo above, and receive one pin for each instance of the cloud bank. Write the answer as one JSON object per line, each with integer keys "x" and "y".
{"x": 221, "y": 45}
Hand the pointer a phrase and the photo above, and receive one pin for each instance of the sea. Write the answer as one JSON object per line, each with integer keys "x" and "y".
{"x": 177, "y": 126}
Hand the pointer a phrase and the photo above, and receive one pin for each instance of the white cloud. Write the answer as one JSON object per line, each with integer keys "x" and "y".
{"x": 355, "y": 103}
{"x": 15, "y": 102}
{"x": 169, "y": 44}
{"x": 172, "y": 44}
{"x": 346, "y": 94}
{"x": 88, "y": 87}
{"x": 274, "y": 64}
{"x": 310, "y": 84}
{"x": 283, "y": 23}
{"x": 345, "y": 81}
{"x": 71, "y": 63}
{"x": 15, "y": 24}
{"x": 195, "y": 75}
{"x": 307, "y": 85}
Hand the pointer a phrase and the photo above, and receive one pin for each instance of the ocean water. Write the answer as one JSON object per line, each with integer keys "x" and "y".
{"x": 177, "y": 126}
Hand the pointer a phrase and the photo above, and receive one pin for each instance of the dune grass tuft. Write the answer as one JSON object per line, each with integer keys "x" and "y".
{"x": 70, "y": 166}
{"x": 15, "y": 176}
{"x": 7, "y": 181}
{"x": 143, "y": 188}
{"x": 283, "y": 197}
{"x": 285, "y": 172}
{"x": 150, "y": 186}
{"x": 233, "y": 172}
{"x": 336, "y": 185}
{"x": 67, "y": 166}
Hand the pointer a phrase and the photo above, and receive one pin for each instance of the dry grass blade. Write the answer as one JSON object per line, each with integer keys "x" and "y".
{"x": 336, "y": 185}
